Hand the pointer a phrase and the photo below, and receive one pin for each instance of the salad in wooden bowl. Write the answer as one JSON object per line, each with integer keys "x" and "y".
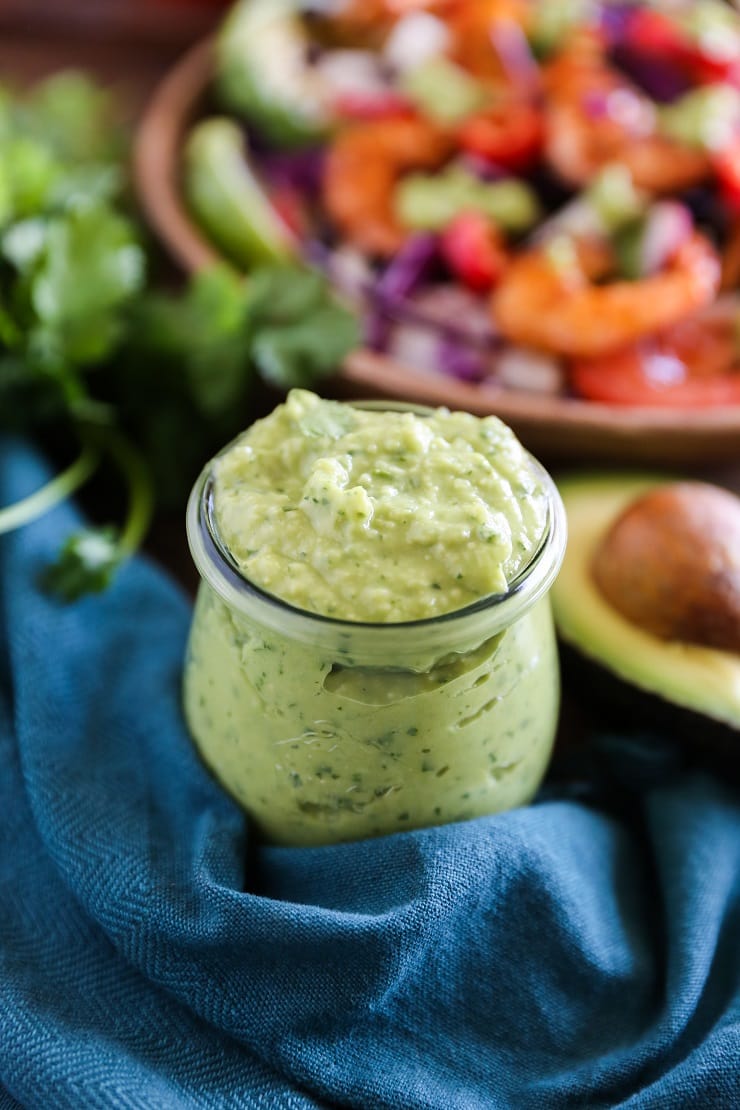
{"x": 534, "y": 206}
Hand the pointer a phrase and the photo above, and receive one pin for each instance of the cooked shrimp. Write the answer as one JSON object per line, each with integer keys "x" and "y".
{"x": 475, "y": 29}
{"x": 371, "y": 19}
{"x": 363, "y": 165}
{"x": 403, "y": 7}
{"x": 693, "y": 365}
{"x": 549, "y": 304}
{"x": 353, "y": 22}
{"x": 706, "y": 342}
{"x": 594, "y": 117}
{"x": 578, "y": 148}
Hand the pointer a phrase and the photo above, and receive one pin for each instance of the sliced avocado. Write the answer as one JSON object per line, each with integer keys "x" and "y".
{"x": 692, "y": 689}
{"x": 443, "y": 91}
{"x": 428, "y": 202}
{"x": 226, "y": 198}
{"x": 263, "y": 73}
{"x": 706, "y": 117}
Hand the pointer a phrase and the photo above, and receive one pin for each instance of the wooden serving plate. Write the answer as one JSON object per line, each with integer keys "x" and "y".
{"x": 553, "y": 428}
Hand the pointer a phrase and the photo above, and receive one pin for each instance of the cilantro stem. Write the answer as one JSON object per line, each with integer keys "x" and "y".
{"x": 141, "y": 501}
{"x": 58, "y": 489}
{"x": 90, "y": 557}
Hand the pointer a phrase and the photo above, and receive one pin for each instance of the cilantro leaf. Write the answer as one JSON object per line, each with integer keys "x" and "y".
{"x": 283, "y": 294}
{"x": 28, "y": 173}
{"x": 73, "y": 116}
{"x": 204, "y": 333}
{"x": 307, "y": 350}
{"x": 300, "y": 330}
{"x": 86, "y": 564}
{"x": 90, "y": 266}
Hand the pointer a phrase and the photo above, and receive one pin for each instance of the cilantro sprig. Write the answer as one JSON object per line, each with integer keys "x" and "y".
{"x": 90, "y": 557}
{"x": 89, "y": 352}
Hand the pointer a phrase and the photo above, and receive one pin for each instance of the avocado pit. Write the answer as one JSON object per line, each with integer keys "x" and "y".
{"x": 670, "y": 564}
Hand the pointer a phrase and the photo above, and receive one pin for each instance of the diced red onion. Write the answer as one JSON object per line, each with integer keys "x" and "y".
{"x": 352, "y": 71}
{"x": 515, "y": 55}
{"x": 667, "y": 227}
{"x": 631, "y": 110}
{"x": 442, "y": 329}
{"x": 578, "y": 218}
{"x": 351, "y": 273}
{"x": 414, "y": 346}
{"x": 457, "y": 312}
{"x": 415, "y": 39}
{"x": 529, "y": 371}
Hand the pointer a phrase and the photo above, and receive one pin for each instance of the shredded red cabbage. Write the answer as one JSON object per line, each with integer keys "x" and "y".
{"x": 662, "y": 79}
{"x": 300, "y": 169}
{"x": 461, "y": 360}
{"x": 409, "y": 267}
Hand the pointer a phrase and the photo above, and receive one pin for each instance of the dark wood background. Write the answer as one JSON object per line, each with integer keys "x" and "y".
{"x": 129, "y": 43}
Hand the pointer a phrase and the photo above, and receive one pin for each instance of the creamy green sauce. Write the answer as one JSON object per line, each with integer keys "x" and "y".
{"x": 317, "y": 752}
{"x": 377, "y": 516}
{"x": 383, "y": 517}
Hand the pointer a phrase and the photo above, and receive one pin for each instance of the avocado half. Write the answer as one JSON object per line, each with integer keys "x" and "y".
{"x": 693, "y": 692}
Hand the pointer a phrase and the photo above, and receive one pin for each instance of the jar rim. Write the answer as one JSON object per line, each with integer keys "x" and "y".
{"x": 229, "y": 568}
{"x": 488, "y": 614}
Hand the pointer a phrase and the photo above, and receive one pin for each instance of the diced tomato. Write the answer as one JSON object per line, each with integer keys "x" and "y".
{"x": 372, "y": 106}
{"x": 474, "y": 251}
{"x": 652, "y": 32}
{"x": 655, "y": 34}
{"x": 708, "y": 70}
{"x": 727, "y": 170}
{"x": 506, "y": 135}
{"x": 695, "y": 365}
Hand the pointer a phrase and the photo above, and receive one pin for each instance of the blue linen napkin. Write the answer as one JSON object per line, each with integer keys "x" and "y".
{"x": 153, "y": 955}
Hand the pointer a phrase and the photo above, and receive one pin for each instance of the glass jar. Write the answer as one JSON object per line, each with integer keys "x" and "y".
{"x": 325, "y": 730}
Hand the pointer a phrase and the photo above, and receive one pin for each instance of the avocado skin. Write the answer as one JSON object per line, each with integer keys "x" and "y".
{"x": 623, "y": 706}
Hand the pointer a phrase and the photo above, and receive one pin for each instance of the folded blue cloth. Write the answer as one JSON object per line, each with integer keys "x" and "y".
{"x": 153, "y": 955}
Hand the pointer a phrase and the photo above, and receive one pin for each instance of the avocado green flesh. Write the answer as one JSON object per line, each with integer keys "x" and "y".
{"x": 227, "y": 199}
{"x": 261, "y": 72}
{"x": 703, "y": 680}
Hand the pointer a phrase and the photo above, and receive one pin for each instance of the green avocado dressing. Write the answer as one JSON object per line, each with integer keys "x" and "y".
{"x": 377, "y": 516}
{"x": 330, "y": 730}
